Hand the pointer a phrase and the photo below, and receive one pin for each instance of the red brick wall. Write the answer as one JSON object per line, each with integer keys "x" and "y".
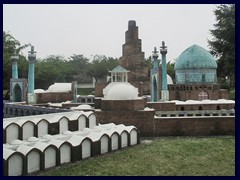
{"x": 224, "y": 94}
{"x": 192, "y": 107}
{"x": 162, "y": 106}
{"x": 53, "y": 97}
{"x": 187, "y": 126}
{"x": 195, "y": 126}
{"x": 99, "y": 88}
{"x": 142, "y": 120}
{"x": 126, "y": 105}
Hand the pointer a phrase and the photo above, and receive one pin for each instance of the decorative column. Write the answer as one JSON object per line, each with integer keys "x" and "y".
{"x": 155, "y": 77}
{"x": 15, "y": 59}
{"x": 32, "y": 60}
{"x": 164, "y": 92}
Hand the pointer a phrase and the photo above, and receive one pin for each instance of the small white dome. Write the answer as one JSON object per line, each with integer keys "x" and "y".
{"x": 47, "y": 136}
{"x": 16, "y": 142}
{"x": 39, "y": 91}
{"x": 84, "y": 106}
{"x": 67, "y": 132}
{"x": 122, "y": 91}
{"x": 60, "y": 87}
{"x": 32, "y": 139}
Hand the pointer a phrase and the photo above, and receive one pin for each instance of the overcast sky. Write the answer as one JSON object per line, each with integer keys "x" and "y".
{"x": 100, "y": 29}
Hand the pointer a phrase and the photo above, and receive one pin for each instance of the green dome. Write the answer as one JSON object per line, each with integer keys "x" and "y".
{"x": 195, "y": 57}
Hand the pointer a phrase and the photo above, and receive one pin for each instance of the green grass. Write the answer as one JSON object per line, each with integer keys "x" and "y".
{"x": 85, "y": 91}
{"x": 166, "y": 156}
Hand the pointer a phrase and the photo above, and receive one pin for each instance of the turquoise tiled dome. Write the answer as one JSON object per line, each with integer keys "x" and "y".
{"x": 195, "y": 57}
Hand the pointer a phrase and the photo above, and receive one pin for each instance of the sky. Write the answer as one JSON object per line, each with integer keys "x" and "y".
{"x": 67, "y": 29}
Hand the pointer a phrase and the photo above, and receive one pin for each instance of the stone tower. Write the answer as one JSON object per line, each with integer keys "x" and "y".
{"x": 155, "y": 77}
{"x": 133, "y": 59}
{"x": 32, "y": 59}
{"x": 164, "y": 92}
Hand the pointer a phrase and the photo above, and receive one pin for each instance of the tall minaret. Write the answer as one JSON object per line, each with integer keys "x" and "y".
{"x": 15, "y": 59}
{"x": 154, "y": 77}
{"x": 164, "y": 92}
{"x": 32, "y": 60}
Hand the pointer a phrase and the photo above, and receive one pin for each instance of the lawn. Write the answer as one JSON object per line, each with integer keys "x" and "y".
{"x": 163, "y": 156}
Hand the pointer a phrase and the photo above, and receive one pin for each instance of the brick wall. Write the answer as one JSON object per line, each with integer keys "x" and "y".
{"x": 53, "y": 97}
{"x": 187, "y": 126}
{"x": 127, "y": 105}
{"x": 142, "y": 120}
{"x": 164, "y": 106}
{"x": 99, "y": 86}
{"x": 194, "y": 126}
{"x": 193, "y": 107}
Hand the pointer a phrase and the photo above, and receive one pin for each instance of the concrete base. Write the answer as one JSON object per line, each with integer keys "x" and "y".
{"x": 164, "y": 95}
{"x": 31, "y": 98}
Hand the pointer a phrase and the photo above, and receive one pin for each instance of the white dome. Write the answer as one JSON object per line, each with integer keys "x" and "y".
{"x": 60, "y": 87}
{"x": 121, "y": 91}
{"x": 39, "y": 91}
{"x": 32, "y": 139}
{"x": 84, "y": 106}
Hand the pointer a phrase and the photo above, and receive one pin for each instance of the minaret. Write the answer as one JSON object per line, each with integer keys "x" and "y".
{"x": 155, "y": 77}
{"x": 164, "y": 92}
{"x": 15, "y": 59}
{"x": 32, "y": 60}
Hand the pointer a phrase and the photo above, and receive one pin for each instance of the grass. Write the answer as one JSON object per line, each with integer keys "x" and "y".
{"x": 85, "y": 91}
{"x": 165, "y": 156}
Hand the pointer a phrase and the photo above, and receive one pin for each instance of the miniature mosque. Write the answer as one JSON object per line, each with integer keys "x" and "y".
{"x": 132, "y": 104}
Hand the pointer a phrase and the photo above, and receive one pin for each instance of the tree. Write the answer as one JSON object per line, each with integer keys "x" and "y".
{"x": 223, "y": 44}
{"x": 101, "y": 65}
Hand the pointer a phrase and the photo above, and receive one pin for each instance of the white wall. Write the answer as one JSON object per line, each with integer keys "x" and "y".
{"x": 104, "y": 144}
{"x": 15, "y": 167}
{"x": 33, "y": 159}
{"x": 65, "y": 153}
{"x": 12, "y": 133}
{"x": 86, "y": 148}
{"x": 50, "y": 157}
{"x": 124, "y": 139}
{"x": 42, "y": 128}
{"x": 114, "y": 143}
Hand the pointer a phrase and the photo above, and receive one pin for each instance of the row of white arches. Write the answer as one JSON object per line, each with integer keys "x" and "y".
{"x": 36, "y": 154}
{"x": 39, "y": 125}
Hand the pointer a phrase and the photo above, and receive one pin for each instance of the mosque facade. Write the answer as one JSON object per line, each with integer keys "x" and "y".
{"x": 196, "y": 77}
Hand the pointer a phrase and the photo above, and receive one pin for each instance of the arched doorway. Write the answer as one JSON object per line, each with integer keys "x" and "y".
{"x": 154, "y": 89}
{"x": 17, "y": 93}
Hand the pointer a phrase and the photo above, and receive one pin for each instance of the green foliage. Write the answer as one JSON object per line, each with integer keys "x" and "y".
{"x": 100, "y": 66}
{"x": 165, "y": 156}
{"x": 223, "y": 44}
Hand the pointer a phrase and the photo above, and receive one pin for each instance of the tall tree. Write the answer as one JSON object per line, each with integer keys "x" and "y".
{"x": 222, "y": 45}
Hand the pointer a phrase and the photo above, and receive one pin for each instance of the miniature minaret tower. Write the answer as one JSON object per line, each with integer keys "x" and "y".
{"x": 164, "y": 92}
{"x": 15, "y": 59}
{"x": 155, "y": 77}
{"x": 32, "y": 60}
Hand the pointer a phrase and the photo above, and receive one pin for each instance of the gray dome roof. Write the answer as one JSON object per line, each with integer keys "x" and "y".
{"x": 195, "y": 57}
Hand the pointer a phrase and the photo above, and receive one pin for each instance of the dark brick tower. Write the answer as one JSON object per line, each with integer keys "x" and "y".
{"x": 133, "y": 59}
